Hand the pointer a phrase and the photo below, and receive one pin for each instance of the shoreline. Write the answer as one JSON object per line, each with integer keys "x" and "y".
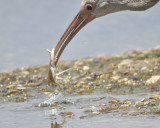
{"x": 131, "y": 79}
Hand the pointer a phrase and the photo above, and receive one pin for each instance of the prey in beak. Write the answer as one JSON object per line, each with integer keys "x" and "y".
{"x": 82, "y": 18}
{"x": 53, "y": 76}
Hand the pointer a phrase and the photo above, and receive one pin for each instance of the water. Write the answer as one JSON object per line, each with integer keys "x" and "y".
{"x": 28, "y": 27}
{"x": 28, "y": 115}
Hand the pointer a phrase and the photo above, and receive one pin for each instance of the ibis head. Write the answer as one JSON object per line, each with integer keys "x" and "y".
{"x": 91, "y": 9}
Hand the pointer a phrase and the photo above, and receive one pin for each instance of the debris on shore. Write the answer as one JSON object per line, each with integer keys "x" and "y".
{"x": 129, "y": 74}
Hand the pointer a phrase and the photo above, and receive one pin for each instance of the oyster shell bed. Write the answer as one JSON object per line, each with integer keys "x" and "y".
{"x": 131, "y": 80}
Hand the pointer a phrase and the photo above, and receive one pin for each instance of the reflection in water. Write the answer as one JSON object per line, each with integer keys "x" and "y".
{"x": 57, "y": 120}
{"x": 57, "y": 112}
{"x": 56, "y": 125}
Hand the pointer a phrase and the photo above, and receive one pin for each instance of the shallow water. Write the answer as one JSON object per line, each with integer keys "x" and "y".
{"x": 28, "y": 27}
{"x": 28, "y": 115}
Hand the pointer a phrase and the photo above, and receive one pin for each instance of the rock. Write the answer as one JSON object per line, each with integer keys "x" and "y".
{"x": 12, "y": 92}
{"x": 70, "y": 91}
{"x": 96, "y": 113}
{"x": 115, "y": 77}
{"x": 150, "y": 102}
{"x": 153, "y": 80}
{"x": 127, "y": 103}
{"x": 139, "y": 103}
{"x": 104, "y": 76}
{"x": 10, "y": 86}
{"x": 109, "y": 87}
{"x": 25, "y": 73}
{"x": 86, "y": 68}
{"x": 156, "y": 110}
{"x": 126, "y": 62}
{"x": 34, "y": 84}
{"x": 22, "y": 88}
{"x": 78, "y": 63}
{"x": 69, "y": 113}
{"x": 143, "y": 68}
{"x": 80, "y": 83}
{"x": 116, "y": 101}
{"x": 49, "y": 94}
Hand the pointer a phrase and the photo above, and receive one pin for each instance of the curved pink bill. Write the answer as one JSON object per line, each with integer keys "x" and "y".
{"x": 77, "y": 24}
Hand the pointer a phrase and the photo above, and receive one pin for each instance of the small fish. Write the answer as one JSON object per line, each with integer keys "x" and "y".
{"x": 53, "y": 76}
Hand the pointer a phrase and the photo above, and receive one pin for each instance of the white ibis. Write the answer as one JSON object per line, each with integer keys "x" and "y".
{"x": 91, "y": 9}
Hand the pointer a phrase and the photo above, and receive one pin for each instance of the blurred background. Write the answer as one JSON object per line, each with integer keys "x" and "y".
{"x": 28, "y": 27}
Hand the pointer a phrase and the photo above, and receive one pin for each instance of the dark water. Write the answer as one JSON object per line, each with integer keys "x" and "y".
{"x": 28, "y": 27}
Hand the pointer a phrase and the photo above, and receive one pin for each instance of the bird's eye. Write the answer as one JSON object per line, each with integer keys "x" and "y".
{"x": 89, "y": 7}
